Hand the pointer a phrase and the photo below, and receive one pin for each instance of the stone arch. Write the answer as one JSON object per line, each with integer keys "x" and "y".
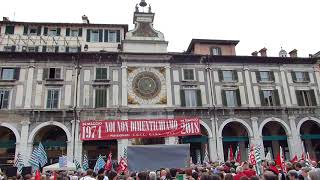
{"x": 283, "y": 124}
{"x": 248, "y": 128}
{"x": 51, "y": 123}
{"x": 207, "y": 128}
{"x": 13, "y": 129}
{"x": 303, "y": 120}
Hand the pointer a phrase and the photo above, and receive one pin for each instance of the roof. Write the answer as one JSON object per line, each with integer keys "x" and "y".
{"x": 125, "y": 26}
{"x": 211, "y": 41}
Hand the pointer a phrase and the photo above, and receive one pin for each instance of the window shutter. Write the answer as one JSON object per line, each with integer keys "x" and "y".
{"x": 118, "y": 36}
{"x": 276, "y": 97}
{"x": 294, "y": 78}
{"x": 57, "y": 73}
{"x": 258, "y": 76}
{"x": 68, "y": 32}
{"x": 45, "y": 31}
{"x": 199, "y": 100}
{"x": 5, "y": 100}
{"x": 58, "y": 31}
{"x": 238, "y": 97}
{"x": 67, "y": 49}
{"x": 220, "y": 75}
{"x": 106, "y": 35}
{"x": 55, "y": 98}
{"x": 100, "y": 35}
{"x": 13, "y": 48}
{"x": 39, "y": 31}
{"x": 44, "y": 48}
{"x": 219, "y": 51}
{"x": 0, "y": 73}
{"x": 272, "y": 76}
{"x": 97, "y": 98}
{"x": 263, "y": 103}
{"x": 16, "y": 73}
{"x": 56, "y": 49}
{"x": 25, "y": 30}
{"x": 313, "y": 98}
{"x": 79, "y": 49}
{"x": 45, "y": 74}
{"x": 235, "y": 75}
{"x": 49, "y": 97}
{"x": 104, "y": 74}
{"x": 37, "y": 48}
{"x": 306, "y": 76}
{"x": 80, "y": 32}
{"x": 88, "y": 35}
{"x": 224, "y": 98}
{"x": 299, "y": 98}
{"x": 182, "y": 98}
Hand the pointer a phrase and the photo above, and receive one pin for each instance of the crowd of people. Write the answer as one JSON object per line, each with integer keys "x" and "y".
{"x": 209, "y": 171}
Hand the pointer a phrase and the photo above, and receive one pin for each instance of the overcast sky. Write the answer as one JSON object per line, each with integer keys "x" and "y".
{"x": 256, "y": 23}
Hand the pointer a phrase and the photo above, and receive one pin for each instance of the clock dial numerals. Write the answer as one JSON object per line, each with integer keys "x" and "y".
{"x": 146, "y": 85}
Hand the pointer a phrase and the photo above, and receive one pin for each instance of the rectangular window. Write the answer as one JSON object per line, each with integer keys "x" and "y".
{"x": 4, "y": 99}
{"x": 306, "y": 98}
{"x": 74, "y": 32}
{"x": 112, "y": 36}
{"x": 228, "y": 76}
{"x": 51, "y": 73}
{"x": 231, "y": 98}
{"x": 300, "y": 76}
{"x": 73, "y": 49}
{"x": 53, "y": 98}
{"x": 7, "y": 48}
{"x": 52, "y": 32}
{"x": 94, "y": 36}
{"x": 9, "y": 29}
{"x": 101, "y": 97}
{"x": 101, "y": 73}
{"x": 33, "y": 31}
{"x": 7, "y": 74}
{"x": 188, "y": 74}
{"x": 269, "y": 98}
{"x": 191, "y": 97}
{"x": 216, "y": 51}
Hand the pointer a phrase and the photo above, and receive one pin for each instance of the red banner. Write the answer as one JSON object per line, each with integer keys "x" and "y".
{"x": 127, "y": 129}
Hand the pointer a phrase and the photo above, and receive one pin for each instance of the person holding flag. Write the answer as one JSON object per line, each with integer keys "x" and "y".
{"x": 238, "y": 154}
{"x": 230, "y": 154}
{"x": 123, "y": 166}
{"x": 99, "y": 164}
{"x": 108, "y": 165}
{"x": 85, "y": 163}
{"x": 19, "y": 163}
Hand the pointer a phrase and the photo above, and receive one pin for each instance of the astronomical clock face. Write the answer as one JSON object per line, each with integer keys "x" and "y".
{"x": 146, "y": 86}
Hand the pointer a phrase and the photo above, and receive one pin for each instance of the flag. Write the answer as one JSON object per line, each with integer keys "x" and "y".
{"x": 280, "y": 160}
{"x": 238, "y": 154}
{"x": 295, "y": 159}
{"x": 38, "y": 175}
{"x": 123, "y": 166}
{"x": 231, "y": 156}
{"x": 78, "y": 166}
{"x": 34, "y": 161}
{"x": 108, "y": 165}
{"x": 252, "y": 158}
{"x": 99, "y": 164}
{"x": 63, "y": 162}
{"x": 206, "y": 154}
{"x": 85, "y": 163}
{"x": 42, "y": 155}
{"x": 54, "y": 175}
{"x": 268, "y": 156}
{"x": 258, "y": 159}
{"x": 19, "y": 163}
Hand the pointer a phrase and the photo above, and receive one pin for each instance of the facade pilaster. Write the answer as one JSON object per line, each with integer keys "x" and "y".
{"x": 24, "y": 148}
{"x": 296, "y": 140}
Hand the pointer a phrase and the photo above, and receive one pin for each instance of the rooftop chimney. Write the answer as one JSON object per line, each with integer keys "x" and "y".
{"x": 263, "y": 52}
{"x": 255, "y": 53}
{"x": 85, "y": 19}
{"x": 293, "y": 53}
{"x": 5, "y": 18}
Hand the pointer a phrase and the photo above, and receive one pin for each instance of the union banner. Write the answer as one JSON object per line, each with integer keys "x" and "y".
{"x": 128, "y": 129}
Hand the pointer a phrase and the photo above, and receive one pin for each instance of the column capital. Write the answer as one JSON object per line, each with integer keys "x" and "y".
{"x": 291, "y": 117}
{"x": 167, "y": 66}
{"x": 124, "y": 67}
{"x": 254, "y": 118}
{"x": 25, "y": 122}
{"x": 246, "y": 68}
{"x": 214, "y": 119}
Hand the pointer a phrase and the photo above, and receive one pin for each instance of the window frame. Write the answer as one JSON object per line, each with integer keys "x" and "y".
{"x": 72, "y": 32}
{"x": 95, "y": 73}
{"x": 219, "y": 51}
{"x": 2, "y": 95}
{"x": 8, "y": 68}
{"x": 92, "y": 32}
{"x": 33, "y": 28}
{"x": 6, "y": 31}
{"x": 303, "y": 79}
{"x": 234, "y": 74}
{"x": 194, "y": 74}
{"x": 58, "y": 99}
{"x": 106, "y": 94}
{"x": 197, "y": 98}
{"x": 47, "y": 71}
{"x": 51, "y": 30}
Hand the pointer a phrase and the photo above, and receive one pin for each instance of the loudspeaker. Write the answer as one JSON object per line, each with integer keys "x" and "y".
{"x": 26, "y": 170}
{"x": 11, "y": 171}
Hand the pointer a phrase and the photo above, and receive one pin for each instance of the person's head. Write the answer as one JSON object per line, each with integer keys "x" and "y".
{"x": 101, "y": 171}
{"x": 298, "y": 166}
{"x": 195, "y": 175}
{"x": 292, "y": 174}
{"x": 244, "y": 178}
{"x": 152, "y": 175}
{"x": 173, "y": 172}
{"x": 250, "y": 166}
{"x": 210, "y": 177}
{"x": 268, "y": 175}
{"x": 232, "y": 170}
{"x": 272, "y": 163}
{"x": 305, "y": 171}
{"x": 239, "y": 169}
{"x": 189, "y": 172}
{"x": 112, "y": 175}
{"x": 314, "y": 174}
{"x": 163, "y": 173}
{"x": 142, "y": 176}
{"x": 100, "y": 177}
{"x": 89, "y": 172}
{"x": 254, "y": 178}
{"x": 228, "y": 177}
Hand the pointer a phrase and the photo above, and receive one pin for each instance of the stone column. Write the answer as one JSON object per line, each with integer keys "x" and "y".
{"x": 248, "y": 85}
{"x": 213, "y": 142}
{"x": 296, "y": 140}
{"x": 285, "y": 87}
{"x": 168, "y": 82}
{"x": 209, "y": 83}
{"x": 24, "y": 148}
{"x": 257, "y": 137}
{"x": 78, "y": 143}
{"x": 124, "y": 96}
{"x": 219, "y": 143}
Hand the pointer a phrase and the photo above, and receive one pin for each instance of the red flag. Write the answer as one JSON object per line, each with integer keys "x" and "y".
{"x": 231, "y": 156}
{"x": 54, "y": 175}
{"x": 38, "y": 175}
{"x": 252, "y": 157}
{"x": 123, "y": 166}
{"x": 303, "y": 156}
{"x": 108, "y": 165}
{"x": 280, "y": 160}
{"x": 295, "y": 159}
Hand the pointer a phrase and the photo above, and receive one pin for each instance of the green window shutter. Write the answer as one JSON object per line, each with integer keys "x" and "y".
{"x": 49, "y": 98}
{"x": 57, "y": 74}
{"x": 55, "y": 98}
{"x": 39, "y": 31}
{"x": 45, "y": 74}
{"x": 313, "y": 98}
{"x": 182, "y": 98}
{"x": 106, "y": 35}
{"x": 306, "y": 76}
{"x": 258, "y": 76}
{"x": 104, "y": 73}
{"x": 25, "y": 30}
{"x": 276, "y": 97}
{"x": 299, "y": 98}
{"x": 44, "y": 48}
{"x": 97, "y": 105}
{"x": 68, "y": 32}
{"x": 16, "y": 73}
{"x": 262, "y": 98}
{"x": 88, "y": 35}
{"x": 45, "y": 31}
{"x": 5, "y": 100}
{"x": 100, "y": 35}
{"x": 56, "y": 49}
{"x": 272, "y": 76}
{"x": 220, "y": 75}
{"x": 199, "y": 99}
{"x": 235, "y": 75}
{"x": 58, "y": 31}
{"x": 9, "y": 29}
{"x": 224, "y": 98}
{"x": 238, "y": 97}
{"x": 80, "y": 32}
{"x": 98, "y": 73}
{"x": 294, "y": 78}
{"x": 118, "y": 36}
{"x": 67, "y": 49}
{"x": 101, "y": 98}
